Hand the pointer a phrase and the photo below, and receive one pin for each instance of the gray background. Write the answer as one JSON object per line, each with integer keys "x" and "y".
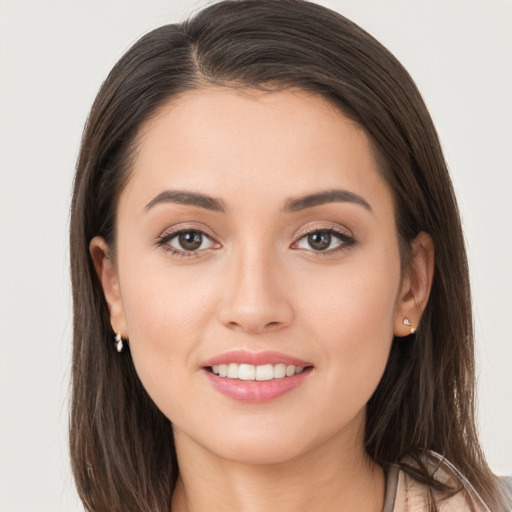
{"x": 53, "y": 56}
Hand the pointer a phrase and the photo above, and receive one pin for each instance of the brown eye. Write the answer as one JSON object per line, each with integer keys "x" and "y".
{"x": 325, "y": 241}
{"x": 190, "y": 240}
{"x": 187, "y": 242}
{"x": 319, "y": 240}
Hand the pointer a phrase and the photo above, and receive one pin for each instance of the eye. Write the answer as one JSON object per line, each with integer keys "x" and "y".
{"x": 324, "y": 240}
{"x": 185, "y": 242}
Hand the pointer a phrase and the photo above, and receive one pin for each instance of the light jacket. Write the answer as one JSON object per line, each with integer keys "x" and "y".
{"x": 405, "y": 494}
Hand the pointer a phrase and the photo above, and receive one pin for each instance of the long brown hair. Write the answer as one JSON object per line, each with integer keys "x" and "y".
{"x": 122, "y": 447}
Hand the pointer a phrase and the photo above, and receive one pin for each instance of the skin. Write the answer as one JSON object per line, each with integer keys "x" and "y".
{"x": 260, "y": 285}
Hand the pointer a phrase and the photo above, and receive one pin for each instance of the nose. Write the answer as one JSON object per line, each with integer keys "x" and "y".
{"x": 255, "y": 298}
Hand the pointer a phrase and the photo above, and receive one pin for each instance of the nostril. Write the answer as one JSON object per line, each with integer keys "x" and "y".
{"x": 253, "y": 326}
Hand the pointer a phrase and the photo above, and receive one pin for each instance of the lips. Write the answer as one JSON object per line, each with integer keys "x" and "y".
{"x": 256, "y": 376}
{"x": 255, "y": 358}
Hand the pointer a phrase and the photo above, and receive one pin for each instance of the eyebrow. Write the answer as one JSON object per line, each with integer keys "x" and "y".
{"x": 293, "y": 205}
{"x": 188, "y": 198}
{"x": 328, "y": 196}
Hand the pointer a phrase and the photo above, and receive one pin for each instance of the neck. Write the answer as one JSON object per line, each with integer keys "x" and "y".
{"x": 330, "y": 477}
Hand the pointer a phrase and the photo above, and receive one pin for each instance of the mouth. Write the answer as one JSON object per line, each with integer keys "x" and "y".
{"x": 250, "y": 372}
{"x": 253, "y": 377}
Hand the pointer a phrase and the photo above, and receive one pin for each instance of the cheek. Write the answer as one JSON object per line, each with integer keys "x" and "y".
{"x": 358, "y": 297}
{"x": 162, "y": 302}
{"x": 352, "y": 317}
{"x": 167, "y": 314}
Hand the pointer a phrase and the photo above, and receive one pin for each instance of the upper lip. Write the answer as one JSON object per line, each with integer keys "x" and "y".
{"x": 255, "y": 358}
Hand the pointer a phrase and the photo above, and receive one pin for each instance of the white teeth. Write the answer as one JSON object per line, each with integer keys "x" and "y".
{"x": 251, "y": 372}
{"x": 279, "y": 371}
{"x": 265, "y": 372}
{"x": 246, "y": 371}
{"x": 232, "y": 371}
{"x": 290, "y": 370}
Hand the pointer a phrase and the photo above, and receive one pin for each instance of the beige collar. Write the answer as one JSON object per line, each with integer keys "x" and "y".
{"x": 405, "y": 494}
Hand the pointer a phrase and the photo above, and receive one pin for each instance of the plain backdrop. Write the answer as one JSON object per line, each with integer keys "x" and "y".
{"x": 54, "y": 55}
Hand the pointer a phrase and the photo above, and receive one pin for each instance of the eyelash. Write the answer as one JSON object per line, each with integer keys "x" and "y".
{"x": 346, "y": 240}
{"x": 163, "y": 241}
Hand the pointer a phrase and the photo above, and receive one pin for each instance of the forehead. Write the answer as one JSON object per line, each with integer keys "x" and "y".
{"x": 226, "y": 142}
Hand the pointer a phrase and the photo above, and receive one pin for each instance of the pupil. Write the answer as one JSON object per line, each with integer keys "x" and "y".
{"x": 319, "y": 240}
{"x": 190, "y": 240}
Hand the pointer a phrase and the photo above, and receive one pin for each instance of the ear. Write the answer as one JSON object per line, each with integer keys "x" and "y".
{"x": 416, "y": 285}
{"x": 105, "y": 269}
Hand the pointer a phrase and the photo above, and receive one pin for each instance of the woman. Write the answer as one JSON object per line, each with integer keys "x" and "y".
{"x": 271, "y": 295}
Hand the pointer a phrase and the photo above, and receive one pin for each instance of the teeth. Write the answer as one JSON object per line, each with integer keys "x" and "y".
{"x": 279, "y": 371}
{"x": 232, "y": 371}
{"x": 245, "y": 371}
{"x": 290, "y": 370}
{"x": 251, "y": 372}
{"x": 265, "y": 372}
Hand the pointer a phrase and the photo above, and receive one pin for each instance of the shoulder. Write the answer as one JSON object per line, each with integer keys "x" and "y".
{"x": 506, "y": 489}
{"x": 413, "y": 496}
{"x": 406, "y": 494}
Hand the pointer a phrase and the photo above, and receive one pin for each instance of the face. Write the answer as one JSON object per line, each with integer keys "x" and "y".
{"x": 256, "y": 238}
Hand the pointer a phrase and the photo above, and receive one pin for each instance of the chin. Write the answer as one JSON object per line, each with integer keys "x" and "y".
{"x": 261, "y": 451}
{"x": 272, "y": 443}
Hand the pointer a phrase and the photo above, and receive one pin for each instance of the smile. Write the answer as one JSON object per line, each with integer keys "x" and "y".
{"x": 256, "y": 377}
{"x": 259, "y": 373}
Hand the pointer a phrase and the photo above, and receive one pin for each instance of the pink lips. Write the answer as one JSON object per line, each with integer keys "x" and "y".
{"x": 255, "y": 358}
{"x": 255, "y": 391}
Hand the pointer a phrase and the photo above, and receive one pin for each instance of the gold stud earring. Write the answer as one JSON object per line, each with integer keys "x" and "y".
{"x": 409, "y": 324}
{"x": 119, "y": 342}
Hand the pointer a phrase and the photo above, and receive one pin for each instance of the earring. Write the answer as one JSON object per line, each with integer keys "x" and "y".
{"x": 119, "y": 342}
{"x": 408, "y": 323}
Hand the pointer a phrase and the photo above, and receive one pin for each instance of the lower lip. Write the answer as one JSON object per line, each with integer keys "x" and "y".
{"x": 255, "y": 391}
